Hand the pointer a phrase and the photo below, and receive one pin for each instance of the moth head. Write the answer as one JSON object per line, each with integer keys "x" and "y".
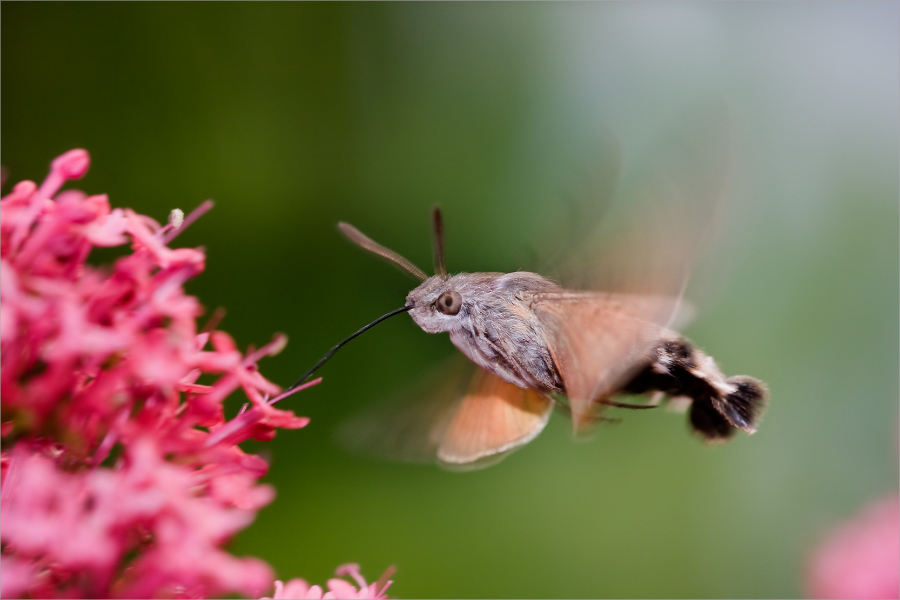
{"x": 437, "y": 304}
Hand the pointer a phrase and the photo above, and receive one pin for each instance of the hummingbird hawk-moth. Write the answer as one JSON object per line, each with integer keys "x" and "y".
{"x": 535, "y": 343}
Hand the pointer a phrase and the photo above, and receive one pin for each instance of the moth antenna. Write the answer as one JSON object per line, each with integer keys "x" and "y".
{"x": 337, "y": 346}
{"x": 438, "y": 223}
{"x": 361, "y": 240}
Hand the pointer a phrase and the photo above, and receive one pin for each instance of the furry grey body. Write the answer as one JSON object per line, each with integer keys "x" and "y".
{"x": 495, "y": 327}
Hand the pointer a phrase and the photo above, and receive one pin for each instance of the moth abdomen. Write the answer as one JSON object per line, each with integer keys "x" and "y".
{"x": 745, "y": 404}
{"x": 719, "y": 406}
{"x": 680, "y": 351}
{"x": 709, "y": 422}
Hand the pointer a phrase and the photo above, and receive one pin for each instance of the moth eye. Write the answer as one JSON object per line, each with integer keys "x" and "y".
{"x": 449, "y": 303}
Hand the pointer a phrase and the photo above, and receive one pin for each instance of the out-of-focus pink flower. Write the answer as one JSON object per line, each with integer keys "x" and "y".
{"x": 80, "y": 525}
{"x": 120, "y": 474}
{"x": 338, "y": 589}
{"x": 861, "y": 557}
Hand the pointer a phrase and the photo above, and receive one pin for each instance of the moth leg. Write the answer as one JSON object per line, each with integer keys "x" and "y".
{"x": 625, "y": 405}
{"x": 561, "y": 404}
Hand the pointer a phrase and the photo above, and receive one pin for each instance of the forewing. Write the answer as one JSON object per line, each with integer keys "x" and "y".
{"x": 407, "y": 425}
{"x": 598, "y": 340}
{"x": 663, "y": 213}
{"x": 493, "y": 417}
{"x": 588, "y": 194}
{"x": 459, "y": 416}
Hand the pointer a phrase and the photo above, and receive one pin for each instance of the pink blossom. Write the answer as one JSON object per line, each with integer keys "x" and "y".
{"x": 121, "y": 475}
{"x": 338, "y": 589}
{"x": 861, "y": 557}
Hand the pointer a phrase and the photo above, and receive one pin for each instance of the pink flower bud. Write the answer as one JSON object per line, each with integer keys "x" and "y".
{"x": 23, "y": 190}
{"x": 73, "y": 164}
{"x": 278, "y": 344}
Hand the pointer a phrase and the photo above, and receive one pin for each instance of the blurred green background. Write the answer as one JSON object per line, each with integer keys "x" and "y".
{"x": 295, "y": 116}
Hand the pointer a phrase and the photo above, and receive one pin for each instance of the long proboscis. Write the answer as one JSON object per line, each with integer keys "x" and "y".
{"x": 337, "y": 346}
{"x": 363, "y": 241}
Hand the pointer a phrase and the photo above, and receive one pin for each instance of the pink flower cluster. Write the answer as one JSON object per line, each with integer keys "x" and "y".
{"x": 337, "y": 588}
{"x": 120, "y": 474}
{"x": 861, "y": 557}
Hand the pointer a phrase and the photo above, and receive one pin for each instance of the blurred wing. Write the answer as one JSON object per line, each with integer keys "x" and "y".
{"x": 598, "y": 340}
{"x": 589, "y": 192}
{"x": 459, "y": 416}
{"x": 663, "y": 214}
{"x": 408, "y": 425}
{"x": 493, "y": 417}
